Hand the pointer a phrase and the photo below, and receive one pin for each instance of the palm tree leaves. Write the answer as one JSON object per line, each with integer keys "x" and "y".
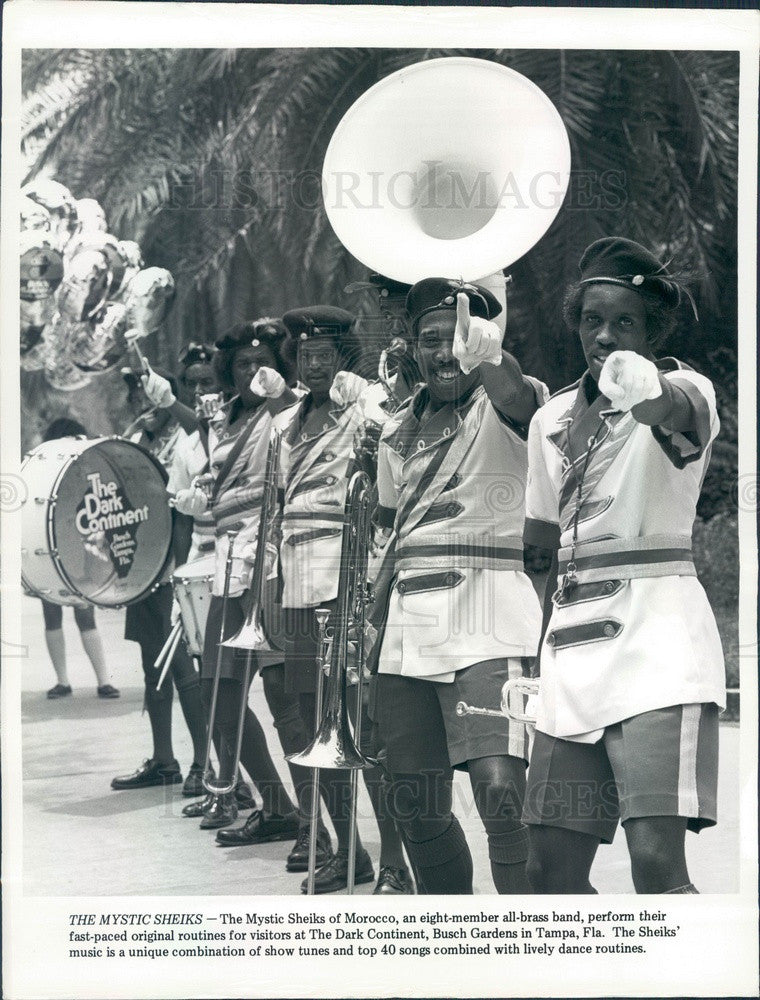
{"x": 212, "y": 159}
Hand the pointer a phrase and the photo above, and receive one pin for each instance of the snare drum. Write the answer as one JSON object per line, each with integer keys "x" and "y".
{"x": 97, "y": 525}
{"x": 192, "y": 589}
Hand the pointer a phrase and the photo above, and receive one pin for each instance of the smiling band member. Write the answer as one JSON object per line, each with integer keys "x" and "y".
{"x": 462, "y": 614}
{"x": 631, "y": 666}
{"x": 317, "y": 460}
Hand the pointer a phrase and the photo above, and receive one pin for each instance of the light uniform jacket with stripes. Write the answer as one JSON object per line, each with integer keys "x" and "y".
{"x": 314, "y": 471}
{"x": 190, "y": 460}
{"x": 237, "y": 505}
{"x": 636, "y": 633}
{"x": 456, "y": 482}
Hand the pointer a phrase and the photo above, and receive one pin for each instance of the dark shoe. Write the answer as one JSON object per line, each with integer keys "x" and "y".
{"x": 393, "y": 882}
{"x": 260, "y": 828}
{"x": 222, "y": 811}
{"x": 298, "y": 859}
{"x": 150, "y": 772}
{"x": 193, "y": 786}
{"x": 197, "y": 809}
{"x": 107, "y": 691}
{"x": 59, "y": 691}
{"x": 333, "y": 876}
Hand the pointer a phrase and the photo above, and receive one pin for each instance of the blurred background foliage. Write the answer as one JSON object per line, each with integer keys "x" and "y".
{"x": 211, "y": 160}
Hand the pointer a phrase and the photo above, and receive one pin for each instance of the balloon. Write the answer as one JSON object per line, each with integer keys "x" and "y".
{"x": 34, "y": 215}
{"x": 90, "y": 216}
{"x": 59, "y": 202}
{"x": 59, "y": 369}
{"x": 84, "y": 289}
{"x": 151, "y": 293}
{"x": 98, "y": 346}
{"x": 106, "y": 244}
{"x": 41, "y": 265}
{"x": 131, "y": 255}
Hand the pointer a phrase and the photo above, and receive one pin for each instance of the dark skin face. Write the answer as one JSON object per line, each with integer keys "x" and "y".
{"x": 154, "y": 420}
{"x": 318, "y": 363}
{"x": 613, "y": 318}
{"x": 439, "y": 368}
{"x": 245, "y": 364}
{"x": 197, "y": 380}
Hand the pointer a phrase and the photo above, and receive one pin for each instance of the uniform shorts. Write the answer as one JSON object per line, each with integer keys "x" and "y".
{"x": 659, "y": 763}
{"x": 232, "y": 660}
{"x": 418, "y": 725}
{"x": 53, "y": 614}
{"x": 301, "y": 647}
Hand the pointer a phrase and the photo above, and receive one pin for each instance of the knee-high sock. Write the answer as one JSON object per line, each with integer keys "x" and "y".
{"x": 444, "y": 862}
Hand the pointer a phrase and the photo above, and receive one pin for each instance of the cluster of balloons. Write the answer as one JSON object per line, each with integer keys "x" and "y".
{"x": 84, "y": 293}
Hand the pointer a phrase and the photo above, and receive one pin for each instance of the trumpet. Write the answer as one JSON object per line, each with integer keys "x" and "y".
{"x": 518, "y": 687}
{"x": 334, "y": 745}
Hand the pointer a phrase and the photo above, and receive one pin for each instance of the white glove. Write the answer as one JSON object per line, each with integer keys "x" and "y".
{"x": 157, "y": 389}
{"x": 270, "y": 562}
{"x": 175, "y": 616}
{"x": 267, "y": 383}
{"x": 628, "y": 378}
{"x": 476, "y": 340}
{"x": 346, "y": 388}
{"x": 192, "y": 502}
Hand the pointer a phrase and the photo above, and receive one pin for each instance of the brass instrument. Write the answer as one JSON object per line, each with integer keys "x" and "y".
{"x": 334, "y": 745}
{"x": 251, "y": 635}
{"x": 519, "y": 686}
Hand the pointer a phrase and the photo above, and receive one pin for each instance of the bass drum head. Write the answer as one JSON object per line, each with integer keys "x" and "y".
{"x": 111, "y": 524}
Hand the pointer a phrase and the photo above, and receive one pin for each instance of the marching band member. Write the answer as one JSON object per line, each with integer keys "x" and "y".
{"x": 148, "y": 622}
{"x": 461, "y": 612}
{"x": 248, "y": 363}
{"x": 317, "y": 457}
{"x": 632, "y": 673}
{"x": 197, "y": 378}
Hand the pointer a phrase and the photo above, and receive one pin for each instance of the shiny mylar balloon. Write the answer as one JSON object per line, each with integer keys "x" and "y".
{"x": 60, "y": 372}
{"x": 34, "y": 215}
{"x": 59, "y": 202}
{"x": 98, "y": 346}
{"x": 90, "y": 216}
{"x": 106, "y": 244}
{"x": 84, "y": 289}
{"x": 131, "y": 254}
{"x": 151, "y": 293}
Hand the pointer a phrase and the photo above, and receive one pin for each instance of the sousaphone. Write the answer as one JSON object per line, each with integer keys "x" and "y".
{"x": 453, "y": 167}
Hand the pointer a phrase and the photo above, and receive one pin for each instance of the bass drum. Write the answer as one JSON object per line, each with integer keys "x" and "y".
{"x": 192, "y": 589}
{"x": 97, "y": 527}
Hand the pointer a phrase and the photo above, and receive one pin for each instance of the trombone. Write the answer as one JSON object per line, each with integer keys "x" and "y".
{"x": 334, "y": 746}
{"x": 251, "y": 635}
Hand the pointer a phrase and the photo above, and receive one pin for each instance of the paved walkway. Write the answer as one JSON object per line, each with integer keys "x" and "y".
{"x": 81, "y": 838}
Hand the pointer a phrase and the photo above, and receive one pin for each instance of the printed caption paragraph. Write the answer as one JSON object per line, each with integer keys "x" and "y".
{"x": 293, "y": 935}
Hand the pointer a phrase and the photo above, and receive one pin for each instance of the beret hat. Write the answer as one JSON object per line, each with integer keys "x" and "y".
{"x": 432, "y": 294}
{"x": 618, "y": 261}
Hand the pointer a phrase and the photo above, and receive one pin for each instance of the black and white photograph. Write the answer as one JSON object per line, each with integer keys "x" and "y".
{"x": 379, "y": 501}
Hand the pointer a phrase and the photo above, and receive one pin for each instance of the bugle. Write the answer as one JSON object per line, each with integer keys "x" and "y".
{"x": 518, "y": 687}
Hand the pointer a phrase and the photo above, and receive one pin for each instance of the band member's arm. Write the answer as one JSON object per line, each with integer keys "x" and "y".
{"x": 541, "y": 522}
{"x": 477, "y": 344}
{"x": 680, "y": 408}
{"x": 509, "y": 391}
{"x": 184, "y": 416}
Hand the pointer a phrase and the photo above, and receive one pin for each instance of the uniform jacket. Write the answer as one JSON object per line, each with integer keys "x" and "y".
{"x": 637, "y": 632}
